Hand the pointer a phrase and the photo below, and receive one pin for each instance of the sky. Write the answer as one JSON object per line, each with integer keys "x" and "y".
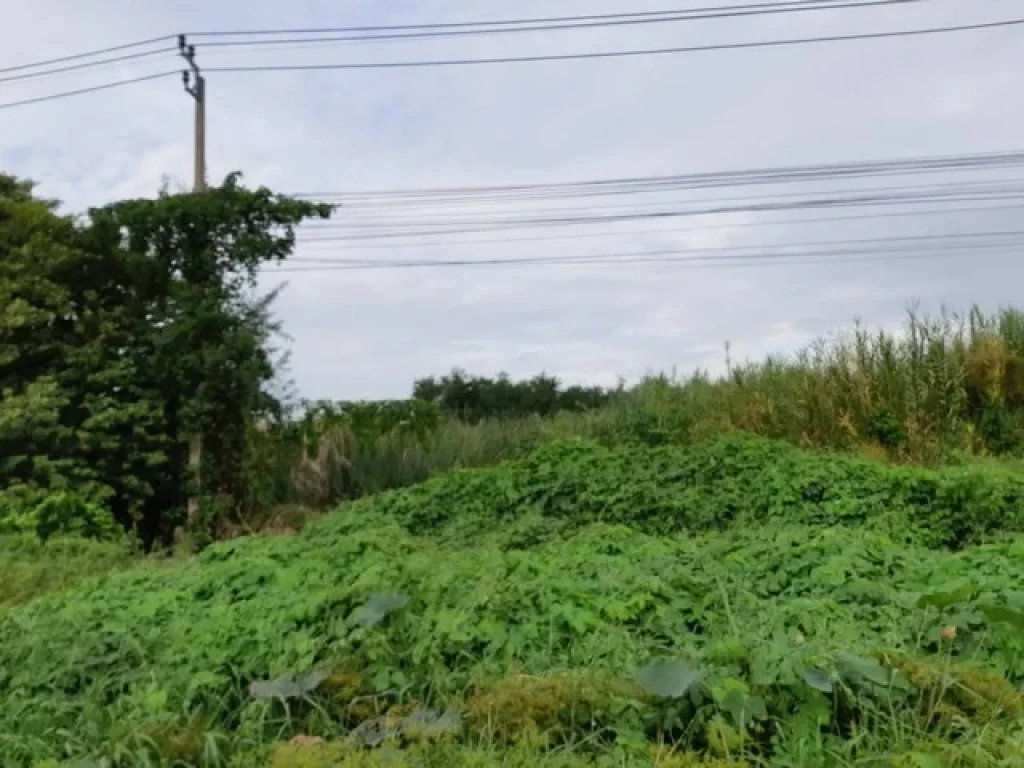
{"x": 368, "y": 334}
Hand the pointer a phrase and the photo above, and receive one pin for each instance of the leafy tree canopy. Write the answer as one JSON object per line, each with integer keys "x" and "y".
{"x": 125, "y": 331}
{"x": 476, "y": 397}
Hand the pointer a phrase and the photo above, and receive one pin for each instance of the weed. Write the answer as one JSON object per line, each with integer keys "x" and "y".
{"x": 739, "y": 601}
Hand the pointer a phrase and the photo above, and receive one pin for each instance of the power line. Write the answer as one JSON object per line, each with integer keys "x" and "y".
{"x": 812, "y": 203}
{"x": 671, "y": 231}
{"x": 783, "y": 4}
{"x": 566, "y": 23}
{"x": 404, "y": 31}
{"x": 572, "y": 22}
{"x": 702, "y": 180}
{"x": 393, "y": 229}
{"x": 620, "y": 53}
{"x": 671, "y": 257}
{"x": 910, "y": 239}
{"x": 428, "y": 206}
{"x": 375, "y": 231}
{"x": 90, "y": 89}
{"x": 391, "y": 217}
{"x": 88, "y": 54}
{"x": 508, "y": 59}
{"x": 88, "y": 65}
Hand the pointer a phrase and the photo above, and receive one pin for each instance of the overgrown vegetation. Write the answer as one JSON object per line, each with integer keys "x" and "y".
{"x": 30, "y": 568}
{"x": 518, "y": 573}
{"x": 739, "y": 601}
{"x": 945, "y": 390}
{"x": 944, "y": 385}
{"x": 125, "y": 332}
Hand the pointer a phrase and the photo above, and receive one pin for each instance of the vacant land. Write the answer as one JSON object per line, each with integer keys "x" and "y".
{"x": 733, "y": 603}
{"x": 499, "y": 572}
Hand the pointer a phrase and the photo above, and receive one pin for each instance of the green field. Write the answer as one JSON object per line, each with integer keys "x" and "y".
{"x": 733, "y": 603}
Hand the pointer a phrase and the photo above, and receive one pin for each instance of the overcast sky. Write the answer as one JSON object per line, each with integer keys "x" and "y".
{"x": 368, "y": 334}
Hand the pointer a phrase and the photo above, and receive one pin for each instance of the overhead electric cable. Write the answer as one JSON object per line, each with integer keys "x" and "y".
{"x": 88, "y": 54}
{"x": 88, "y": 65}
{"x": 705, "y": 180}
{"x": 445, "y": 28}
{"x": 255, "y": 68}
{"x": 782, "y": 4}
{"x": 945, "y": 238}
{"x": 89, "y": 89}
{"x": 565, "y": 23}
{"x": 319, "y": 241}
{"x": 753, "y": 259}
{"x": 616, "y": 54}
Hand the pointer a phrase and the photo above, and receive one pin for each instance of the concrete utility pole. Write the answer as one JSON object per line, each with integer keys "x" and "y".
{"x": 197, "y": 91}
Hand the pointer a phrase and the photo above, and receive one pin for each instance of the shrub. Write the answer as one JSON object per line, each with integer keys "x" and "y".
{"x": 55, "y": 513}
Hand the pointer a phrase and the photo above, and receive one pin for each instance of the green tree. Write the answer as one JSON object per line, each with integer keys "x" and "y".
{"x": 69, "y": 393}
{"x": 473, "y": 398}
{"x": 123, "y": 332}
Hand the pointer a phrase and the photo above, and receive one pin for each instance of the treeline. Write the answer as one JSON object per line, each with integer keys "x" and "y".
{"x": 472, "y": 398}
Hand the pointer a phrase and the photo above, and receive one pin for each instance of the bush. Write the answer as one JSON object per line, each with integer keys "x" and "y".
{"x": 56, "y": 513}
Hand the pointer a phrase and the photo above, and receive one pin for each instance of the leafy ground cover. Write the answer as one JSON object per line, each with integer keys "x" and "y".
{"x": 737, "y": 603}
{"x": 733, "y": 481}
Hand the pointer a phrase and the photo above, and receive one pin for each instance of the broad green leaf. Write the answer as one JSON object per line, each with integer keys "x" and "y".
{"x": 374, "y": 732}
{"x": 856, "y": 668}
{"x": 312, "y": 681}
{"x": 764, "y": 669}
{"x": 853, "y": 667}
{"x": 379, "y": 607}
{"x": 818, "y": 678}
{"x": 282, "y": 688}
{"x": 921, "y": 760}
{"x": 1004, "y": 615}
{"x": 668, "y": 679}
{"x": 948, "y": 596}
{"x": 155, "y": 701}
{"x": 743, "y": 708}
{"x": 449, "y": 722}
{"x": 427, "y": 722}
{"x": 757, "y": 708}
{"x": 287, "y": 687}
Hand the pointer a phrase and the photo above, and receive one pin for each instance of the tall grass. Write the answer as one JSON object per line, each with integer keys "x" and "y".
{"x": 348, "y": 465}
{"x": 30, "y": 568}
{"x": 942, "y": 387}
{"x": 944, "y": 384}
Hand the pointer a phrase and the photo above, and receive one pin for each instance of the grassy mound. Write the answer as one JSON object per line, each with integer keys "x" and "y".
{"x": 727, "y": 605}
{"x": 730, "y": 482}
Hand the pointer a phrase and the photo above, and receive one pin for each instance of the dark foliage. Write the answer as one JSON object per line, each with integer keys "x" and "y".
{"x": 124, "y": 332}
{"x": 473, "y": 398}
